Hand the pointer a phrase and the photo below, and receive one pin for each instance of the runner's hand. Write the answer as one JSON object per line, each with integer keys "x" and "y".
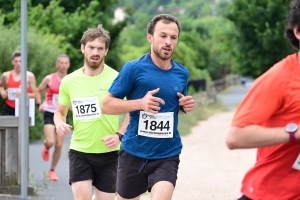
{"x": 63, "y": 128}
{"x": 4, "y": 94}
{"x": 111, "y": 141}
{"x": 19, "y": 93}
{"x": 151, "y": 103}
{"x": 187, "y": 102}
{"x": 41, "y": 108}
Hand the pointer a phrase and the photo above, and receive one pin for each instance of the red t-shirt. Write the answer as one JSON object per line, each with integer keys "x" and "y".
{"x": 273, "y": 101}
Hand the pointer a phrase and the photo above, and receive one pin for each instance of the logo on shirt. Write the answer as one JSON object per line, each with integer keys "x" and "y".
{"x": 145, "y": 115}
{"x": 76, "y": 102}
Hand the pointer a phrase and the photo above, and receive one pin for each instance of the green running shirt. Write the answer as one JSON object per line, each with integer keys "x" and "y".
{"x": 85, "y": 95}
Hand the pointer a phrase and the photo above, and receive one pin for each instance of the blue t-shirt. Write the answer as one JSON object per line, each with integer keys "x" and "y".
{"x": 136, "y": 78}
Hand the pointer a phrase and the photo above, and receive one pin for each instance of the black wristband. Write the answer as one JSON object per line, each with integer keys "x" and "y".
{"x": 120, "y": 136}
{"x": 38, "y": 105}
{"x": 181, "y": 108}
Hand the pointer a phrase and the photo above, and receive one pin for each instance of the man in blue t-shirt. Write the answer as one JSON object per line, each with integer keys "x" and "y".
{"x": 155, "y": 87}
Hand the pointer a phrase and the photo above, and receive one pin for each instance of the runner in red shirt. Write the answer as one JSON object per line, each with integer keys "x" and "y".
{"x": 268, "y": 119}
{"x": 10, "y": 85}
{"x": 51, "y": 84}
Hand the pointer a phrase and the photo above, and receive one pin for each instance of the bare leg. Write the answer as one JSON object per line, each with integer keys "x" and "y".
{"x": 82, "y": 190}
{"x": 49, "y": 135}
{"x": 162, "y": 190}
{"x": 57, "y": 150}
{"x": 99, "y": 195}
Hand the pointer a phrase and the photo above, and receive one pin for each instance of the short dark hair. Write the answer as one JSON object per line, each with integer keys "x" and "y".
{"x": 166, "y": 18}
{"x": 93, "y": 33}
{"x": 293, "y": 19}
{"x": 16, "y": 53}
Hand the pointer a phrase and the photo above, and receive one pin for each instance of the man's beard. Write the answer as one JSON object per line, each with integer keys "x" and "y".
{"x": 94, "y": 65}
{"x": 162, "y": 55}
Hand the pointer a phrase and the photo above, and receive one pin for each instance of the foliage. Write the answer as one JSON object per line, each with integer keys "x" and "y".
{"x": 130, "y": 52}
{"x": 52, "y": 17}
{"x": 258, "y": 42}
{"x": 191, "y": 90}
{"x": 38, "y": 187}
{"x": 42, "y": 53}
{"x": 197, "y": 49}
{"x": 219, "y": 59}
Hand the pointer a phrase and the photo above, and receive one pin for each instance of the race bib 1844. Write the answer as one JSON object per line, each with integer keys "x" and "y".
{"x": 156, "y": 125}
{"x": 86, "y": 108}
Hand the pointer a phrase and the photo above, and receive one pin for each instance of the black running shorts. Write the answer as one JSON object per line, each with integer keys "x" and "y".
{"x": 8, "y": 111}
{"x": 48, "y": 118}
{"x": 100, "y": 168}
{"x": 137, "y": 175}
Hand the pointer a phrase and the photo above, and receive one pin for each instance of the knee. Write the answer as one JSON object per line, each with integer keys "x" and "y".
{"x": 49, "y": 144}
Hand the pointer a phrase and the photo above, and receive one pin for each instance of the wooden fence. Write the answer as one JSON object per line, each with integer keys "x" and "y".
{"x": 10, "y": 156}
{"x": 209, "y": 94}
{"x": 222, "y": 84}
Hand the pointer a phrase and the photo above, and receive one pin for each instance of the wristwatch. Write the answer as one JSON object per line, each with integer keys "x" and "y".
{"x": 120, "y": 136}
{"x": 291, "y": 129}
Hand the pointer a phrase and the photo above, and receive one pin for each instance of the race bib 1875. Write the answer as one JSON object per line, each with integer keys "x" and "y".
{"x": 86, "y": 108}
{"x": 156, "y": 125}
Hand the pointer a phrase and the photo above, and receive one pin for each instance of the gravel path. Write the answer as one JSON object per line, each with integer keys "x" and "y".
{"x": 208, "y": 170}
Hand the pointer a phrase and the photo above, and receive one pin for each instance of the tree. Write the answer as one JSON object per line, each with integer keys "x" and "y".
{"x": 54, "y": 19}
{"x": 258, "y": 42}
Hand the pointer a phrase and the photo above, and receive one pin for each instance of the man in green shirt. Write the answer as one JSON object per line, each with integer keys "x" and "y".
{"x": 94, "y": 145}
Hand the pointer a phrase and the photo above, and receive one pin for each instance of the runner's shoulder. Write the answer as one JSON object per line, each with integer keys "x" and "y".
{"x": 5, "y": 74}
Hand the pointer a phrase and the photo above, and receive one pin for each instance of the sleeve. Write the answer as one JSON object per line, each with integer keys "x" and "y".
{"x": 261, "y": 102}
{"x": 64, "y": 96}
{"x": 123, "y": 84}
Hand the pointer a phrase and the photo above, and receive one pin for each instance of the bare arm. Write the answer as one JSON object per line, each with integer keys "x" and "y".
{"x": 32, "y": 86}
{"x": 114, "y": 106}
{"x": 254, "y": 136}
{"x": 3, "y": 81}
{"x": 60, "y": 116}
{"x": 112, "y": 141}
{"x": 124, "y": 124}
{"x": 43, "y": 86}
